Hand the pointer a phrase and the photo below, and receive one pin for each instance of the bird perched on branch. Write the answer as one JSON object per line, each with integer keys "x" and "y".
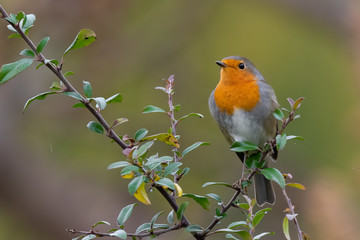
{"x": 243, "y": 105}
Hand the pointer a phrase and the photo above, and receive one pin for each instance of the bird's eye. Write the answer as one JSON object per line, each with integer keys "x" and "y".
{"x": 241, "y": 65}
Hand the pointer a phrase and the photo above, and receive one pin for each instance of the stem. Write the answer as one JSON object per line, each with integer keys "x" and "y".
{"x": 171, "y": 200}
{"x": 139, "y": 235}
{"x": 69, "y": 88}
{"x": 174, "y": 122}
{"x": 291, "y": 207}
{"x": 224, "y": 210}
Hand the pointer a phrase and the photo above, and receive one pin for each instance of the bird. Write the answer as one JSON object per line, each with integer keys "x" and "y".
{"x": 242, "y": 104}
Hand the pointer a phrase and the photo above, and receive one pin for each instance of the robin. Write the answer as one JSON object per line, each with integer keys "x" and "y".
{"x": 242, "y": 104}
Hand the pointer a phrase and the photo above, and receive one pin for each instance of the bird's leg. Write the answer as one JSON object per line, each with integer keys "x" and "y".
{"x": 238, "y": 185}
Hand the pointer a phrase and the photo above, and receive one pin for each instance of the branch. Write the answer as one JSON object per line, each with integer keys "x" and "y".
{"x": 223, "y": 211}
{"x": 292, "y": 212}
{"x": 230, "y": 203}
{"x": 171, "y": 200}
{"x": 69, "y": 88}
{"x": 139, "y": 235}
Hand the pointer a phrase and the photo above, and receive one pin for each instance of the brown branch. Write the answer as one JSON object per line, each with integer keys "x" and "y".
{"x": 140, "y": 235}
{"x": 171, "y": 200}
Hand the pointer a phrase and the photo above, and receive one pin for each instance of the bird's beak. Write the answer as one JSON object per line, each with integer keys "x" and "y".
{"x": 221, "y": 64}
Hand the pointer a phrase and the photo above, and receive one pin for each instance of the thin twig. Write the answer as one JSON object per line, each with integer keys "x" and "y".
{"x": 139, "y": 235}
{"x": 292, "y": 212}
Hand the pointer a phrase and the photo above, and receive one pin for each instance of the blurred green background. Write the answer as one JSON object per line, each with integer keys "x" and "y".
{"x": 53, "y": 170}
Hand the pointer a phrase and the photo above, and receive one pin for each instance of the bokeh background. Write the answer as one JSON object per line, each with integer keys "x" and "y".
{"x": 53, "y": 170}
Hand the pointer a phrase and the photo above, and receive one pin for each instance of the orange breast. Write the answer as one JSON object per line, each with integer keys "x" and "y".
{"x": 236, "y": 91}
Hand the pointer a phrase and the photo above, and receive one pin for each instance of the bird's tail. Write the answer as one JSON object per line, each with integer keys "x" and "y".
{"x": 264, "y": 191}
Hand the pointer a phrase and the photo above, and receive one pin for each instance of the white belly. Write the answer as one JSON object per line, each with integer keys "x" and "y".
{"x": 245, "y": 128}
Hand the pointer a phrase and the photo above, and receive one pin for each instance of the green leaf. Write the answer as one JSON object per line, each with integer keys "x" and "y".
{"x": 259, "y": 216}
{"x": 172, "y": 167}
{"x": 243, "y": 147}
{"x": 237, "y": 224}
{"x": 128, "y": 169}
{"x": 263, "y": 234}
{"x": 142, "y": 150}
{"x": 194, "y": 228}
{"x": 151, "y": 108}
{"x": 28, "y": 53}
{"x": 143, "y": 227}
{"x": 285, "y": 226}
{"x": 10, "y": 70}
{"x": 281, "y": 141}
{"x": 217, "y": 183}
{"x": 30, "y": 19}
{"x": 162, "y": 226}
{"x": 40, "y": 96}
{"x": 140, "y": 134}
{"x": 12, "y": 19}
{"x": 155, "y": 217}
{"x": 252, "y": 161}
{"x": 100, "y": 103}
{"x": 115, "y": 98}
{"x": 290, "y": 137}
{"x": 135, "y": 184}
{"x": 73, "y": 95}
{"x": 170, "y": 217}
{"x": 14, "y": 36}
{"x": 56, "y": 86}
{"x": 245, "y": 235}
{"x": 185, "y": 171}
{"x": 42, "y": 44}
{"x": 20, "y": 15}
{"x": 78, "y": 238}
{"x": 79, "y": 105}
{"x": 95, "y": 127}
{"x": 192, "y": 147}
{"x": 125, "y": 213}
{"x": 230, "y": 236}
{"x": 166, "y": 183}
{"x": 201, "y": 200}
{"x": 89, "y": 237}
{"x": 177, "y": 107}
{"x": 83, "y": 38}
{"x": 278, "y": 114}
{"x": 214, "y": 196}
{"x": 181, "y": 210}
{"x": 87, "y": 89}
{"x": 120, "y": 234}
{"x": 191, "y": 115}
{"x": 227, "y": 230}
{"x": 101, "y": 222}
{"x": 274, "y": 175}
{"x": 245, "y": 206}
{"x": 68, "y": 73}
{"x": 118, "y": 165}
